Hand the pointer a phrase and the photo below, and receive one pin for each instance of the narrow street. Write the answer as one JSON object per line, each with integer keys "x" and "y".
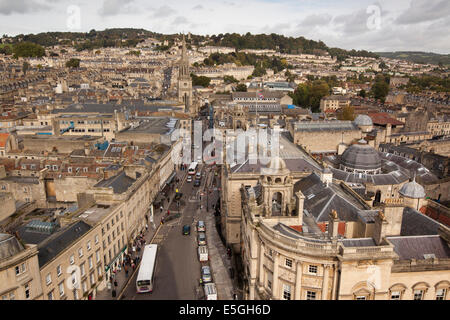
{"x": 177, "y": 271}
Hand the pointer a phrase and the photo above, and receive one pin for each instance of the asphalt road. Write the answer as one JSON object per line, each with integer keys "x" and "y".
{"x": 177, "y": 271}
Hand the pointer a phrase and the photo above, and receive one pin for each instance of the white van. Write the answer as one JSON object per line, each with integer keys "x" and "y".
{"x": 210, "y": 291}
{"x": 203, "y": 253}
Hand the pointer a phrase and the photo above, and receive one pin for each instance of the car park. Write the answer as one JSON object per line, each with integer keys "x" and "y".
{"x": 206, "y": 274}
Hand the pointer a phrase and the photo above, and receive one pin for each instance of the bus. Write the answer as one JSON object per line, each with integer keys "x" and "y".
{"x": 144, "y": 281}
{"x": 193, "y": 168}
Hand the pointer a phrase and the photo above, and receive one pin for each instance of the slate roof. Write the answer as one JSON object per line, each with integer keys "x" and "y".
{"x": 120, "y": 183}
{"x": 109, "y": 108}
{"x": 325, "y": 126}
{"x": 415, "y": 223}
{"x": 321, "y": 199}
{"x": 9, "y": 246}
{"x": 60, "y": 240}
{"x": 361, "y": 242}
{"x": 416, "y": 247}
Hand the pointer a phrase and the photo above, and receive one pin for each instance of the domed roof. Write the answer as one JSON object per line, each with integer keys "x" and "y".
{"x": 9, "y": 246}
{"x": 363, "y": 120}
{"x": 277, "y": 163}
{"x": 276, "y": 166}
{"x": 361, "y": 156}
{"x": 412, "y": 190}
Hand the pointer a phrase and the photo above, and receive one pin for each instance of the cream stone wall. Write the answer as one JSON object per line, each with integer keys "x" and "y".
{"x": 81, "y": 255}
{"x": 8, "y": 205}
{"x": 67, "y": 188}
{"x": 314, "y": 141}
{"x": 13, "y": 285}
{"x": 407, "y": 282}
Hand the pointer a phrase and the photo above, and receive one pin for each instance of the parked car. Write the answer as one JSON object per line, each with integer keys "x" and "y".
{"x": 186, "y": 229}
{"x": 197, "y": 183}
{"x": 210, "y": 291}
{"x": 178, "y": 196}
{"x": 206, "y": 274}
{"x": 203, "y": 253}
{"x": 201, "y": 226}
{"x": 189, "y": 179}
{"x": 198, "y": 175}
{"x": 201, "y": 239}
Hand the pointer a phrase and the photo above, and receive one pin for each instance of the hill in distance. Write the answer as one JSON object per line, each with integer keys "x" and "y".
{"x": 418, "y": 57}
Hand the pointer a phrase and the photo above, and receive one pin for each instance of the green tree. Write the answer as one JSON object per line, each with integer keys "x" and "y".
{"x": 319, "y": 89}
{"x": 28, "y": 49}
{"x": 362, "y": 93}
{"x": 6, "y": 49}
{"x": 301, "y": 95}
{"x": 200, "y": 81}
{"x": 25, "y": 67}
{"x": 241, "y": 88}
{"x": 380, "y": 88}
{"x": 347, "y": 113}
{"x": 230, "y": 79}
{"x": 73, "y": 63}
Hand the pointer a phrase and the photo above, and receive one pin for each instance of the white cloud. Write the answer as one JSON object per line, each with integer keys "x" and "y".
{"x": 8, "y": 7}
{"x": 425, "y": 10}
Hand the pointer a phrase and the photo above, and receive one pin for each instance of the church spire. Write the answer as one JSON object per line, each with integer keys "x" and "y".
{"x": 183, "y": 50}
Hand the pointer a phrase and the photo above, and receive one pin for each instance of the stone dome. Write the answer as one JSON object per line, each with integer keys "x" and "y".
{"x": 363, "y": 120}
{"x": 277, "y": 163}
{"x": 361, "y": 156}
{"x": 412, "y": 190}
{"x": 276, "y": 166}
{"x": 9, "y": 246}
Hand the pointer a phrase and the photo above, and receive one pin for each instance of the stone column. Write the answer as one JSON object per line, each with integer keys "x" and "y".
{"x": 298, "y": 281}
{"x": 261, "y": 264}
{"x": 276, "y": 258}
{"x": 325, "y": 282}
{"x": 251, "y": 294}
{"x": 334, "y": 285}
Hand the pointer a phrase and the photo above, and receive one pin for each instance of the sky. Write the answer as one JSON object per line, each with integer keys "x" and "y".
{"x": 381, "y": 25}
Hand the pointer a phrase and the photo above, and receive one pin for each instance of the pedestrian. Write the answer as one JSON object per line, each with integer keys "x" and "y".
{"x": 133, "y": 266}
{"x": 168, "y": 212}
{"x": 119, "y": 267}
{"x": 146, "y": 227}
{"x": 115, "y": 283}
{"x": 161, "y": 209}
{"x": 126, "y": 271}
{"x": 113, "y": 293}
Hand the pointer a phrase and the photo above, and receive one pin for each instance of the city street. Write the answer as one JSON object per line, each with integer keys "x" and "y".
{"x": 178, "y": 268}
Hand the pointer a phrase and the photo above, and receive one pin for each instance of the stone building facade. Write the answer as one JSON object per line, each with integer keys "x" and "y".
{"x": 287, "y": 257}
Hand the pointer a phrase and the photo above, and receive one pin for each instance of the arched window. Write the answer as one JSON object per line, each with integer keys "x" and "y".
{"x": 396, "y": 291}
{"x": 276, "y": 203}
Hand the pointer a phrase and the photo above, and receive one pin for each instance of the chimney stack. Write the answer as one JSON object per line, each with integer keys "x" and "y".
{"x": 333, "y": 224}
{"x": 380, "y": 228}
{"x": 299, "y": 208}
